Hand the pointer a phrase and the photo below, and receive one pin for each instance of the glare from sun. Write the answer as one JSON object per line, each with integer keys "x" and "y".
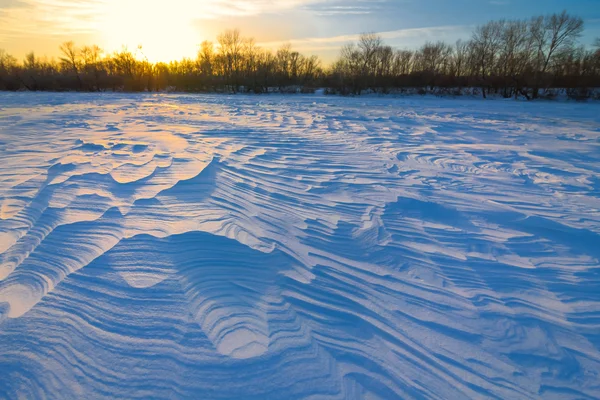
{"x": 165, "y": 33}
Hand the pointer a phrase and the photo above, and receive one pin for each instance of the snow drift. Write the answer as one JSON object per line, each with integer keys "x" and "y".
{"x": 174, "y": 246}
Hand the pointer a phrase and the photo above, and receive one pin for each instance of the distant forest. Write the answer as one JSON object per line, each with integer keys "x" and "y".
{"x": 512, "y": 58}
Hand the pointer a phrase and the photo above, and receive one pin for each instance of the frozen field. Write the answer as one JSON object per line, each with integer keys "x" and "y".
{"x": 215, "y": 247}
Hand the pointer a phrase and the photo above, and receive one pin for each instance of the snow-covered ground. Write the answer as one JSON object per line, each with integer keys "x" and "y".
{"x": 268, "y": 247}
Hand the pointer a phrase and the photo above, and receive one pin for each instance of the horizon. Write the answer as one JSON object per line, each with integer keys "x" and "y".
{"x": 319, "y": 27}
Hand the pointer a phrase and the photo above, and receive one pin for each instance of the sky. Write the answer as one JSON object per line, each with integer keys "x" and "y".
{"x": 172, "y": 29}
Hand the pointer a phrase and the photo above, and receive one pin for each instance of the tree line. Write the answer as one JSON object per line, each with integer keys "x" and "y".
{"x": 512, "y": 58}
{"x": 233, "y": 64}
{"x": 508, "y": 57}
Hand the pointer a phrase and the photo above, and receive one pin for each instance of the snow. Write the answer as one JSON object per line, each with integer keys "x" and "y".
{"x": 273, "y": 247}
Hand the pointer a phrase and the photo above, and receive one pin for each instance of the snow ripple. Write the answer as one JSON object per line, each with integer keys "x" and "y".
{"x": 173, "y": 246}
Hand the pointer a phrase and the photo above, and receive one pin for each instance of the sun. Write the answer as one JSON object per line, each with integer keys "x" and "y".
{"x": 165, "y": 31}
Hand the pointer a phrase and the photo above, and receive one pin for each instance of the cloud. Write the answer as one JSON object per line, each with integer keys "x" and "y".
{"x": 342, "y": 10}
{"x": 253, "y": 7}
{"x": 48, "y": 17}
{"x": 20, "y": 18}
{"x": 4, "y": 4}
{"x": 420, "y": 34}
{"x": 346, "y": 7}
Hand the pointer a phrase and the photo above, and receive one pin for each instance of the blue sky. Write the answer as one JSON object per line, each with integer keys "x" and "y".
{"x": 174, "y": 28}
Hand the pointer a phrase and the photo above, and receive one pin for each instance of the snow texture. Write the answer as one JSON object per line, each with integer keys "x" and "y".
{"x": 302, "y": 247}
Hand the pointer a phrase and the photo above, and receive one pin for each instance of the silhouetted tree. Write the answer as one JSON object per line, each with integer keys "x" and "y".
{"x": 552, "y": 34}
{"x": 71, "y": 60}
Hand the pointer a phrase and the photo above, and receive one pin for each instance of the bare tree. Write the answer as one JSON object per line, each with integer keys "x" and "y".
{"x": 7, "y": 66}
{"x": 359, "y": 62}
{"x": 515, "y": 55}
{"x": 552, "y": 34}
{"x": 283, "y": 56}
{"x": 350, "y": 67}
{"x": 369, "y": 45}
{"x": 461, "y": 51}
{"x": 230, "y": 47}
{"x": 71, "y": 59}
{"x": 206, "y": 60}
{"x": 486, "y": 42}
{"x": 7, "y": 61}
{"x": 432, "y": 60}
{"x": 403, "y": 60}
{"x": 90, "y": 56}
{"x": 250, "y": 60}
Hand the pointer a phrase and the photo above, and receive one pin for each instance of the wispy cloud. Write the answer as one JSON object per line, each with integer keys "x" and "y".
{"x": 345, "y": 10}
{"x": 252, "y": 7}
{"x": 422, "y": 34}
{"x": 346, "y": 7}
{"x": 48, "y": 17}
{"x": 4, "y": 4}
{"x": 69, "y": 17}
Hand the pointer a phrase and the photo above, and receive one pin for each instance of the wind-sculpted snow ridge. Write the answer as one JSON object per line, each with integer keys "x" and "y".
{"x": 216, "y": 247}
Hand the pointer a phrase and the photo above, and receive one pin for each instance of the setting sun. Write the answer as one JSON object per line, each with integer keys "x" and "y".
{"x": 164, "y": 32}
